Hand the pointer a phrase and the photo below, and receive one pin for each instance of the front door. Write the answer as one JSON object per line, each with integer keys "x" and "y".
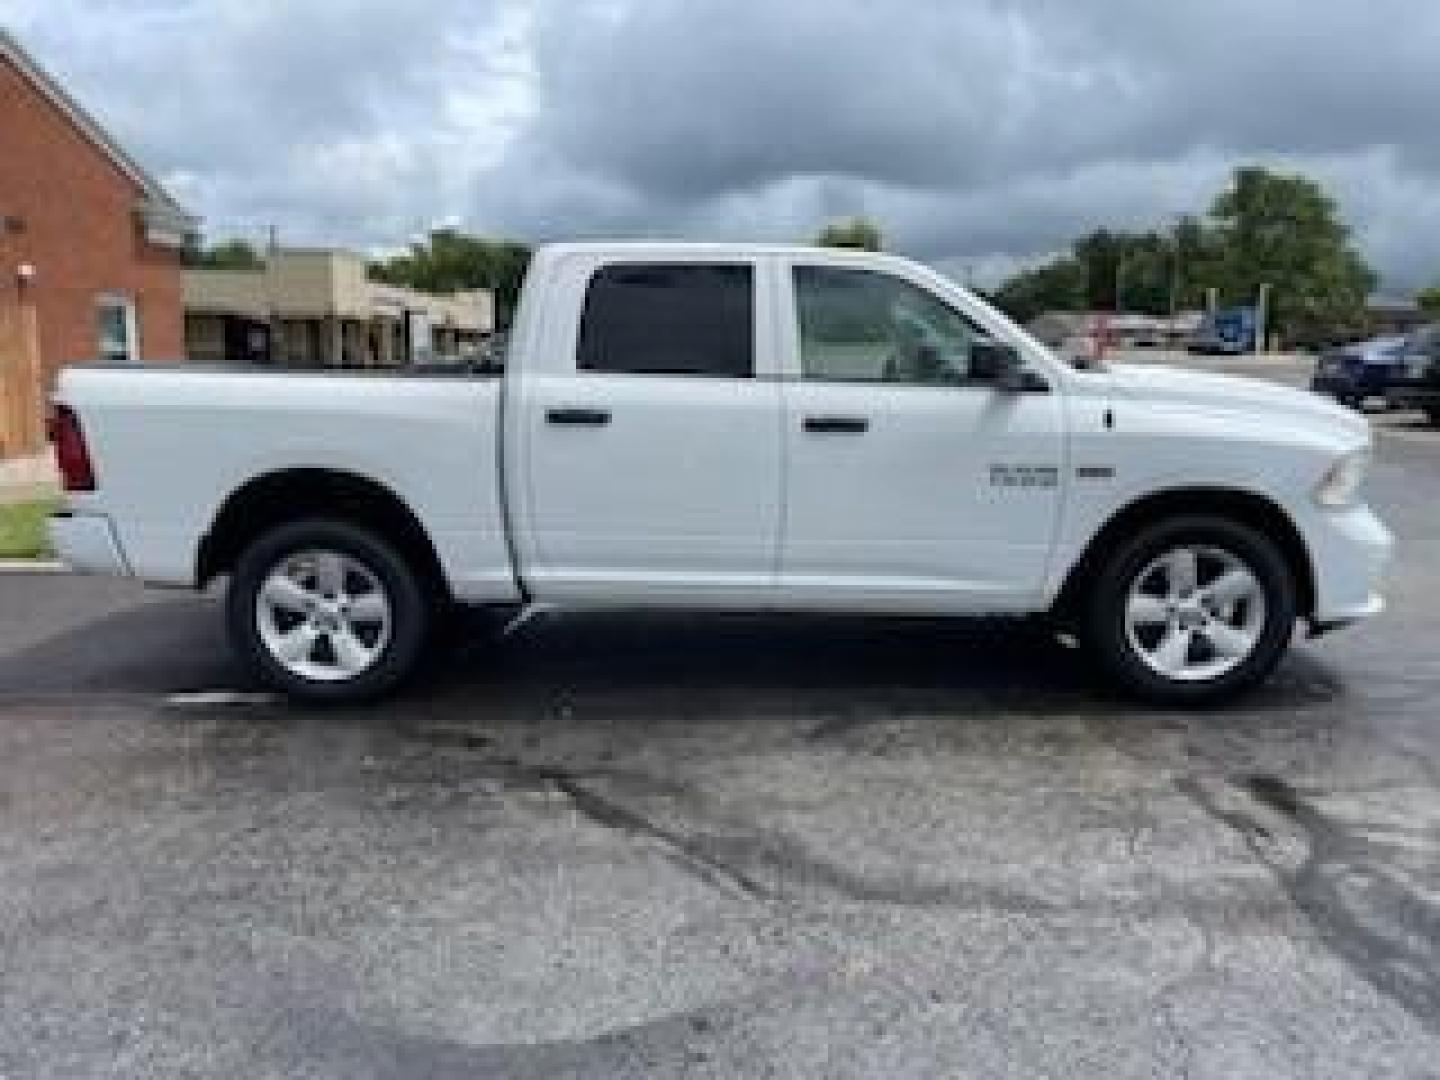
{"x": 911, "y": 486}
{"x": 651, "y": 443}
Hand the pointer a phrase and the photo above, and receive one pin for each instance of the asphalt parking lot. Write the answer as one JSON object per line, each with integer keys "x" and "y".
{"x": 720, "y": 847}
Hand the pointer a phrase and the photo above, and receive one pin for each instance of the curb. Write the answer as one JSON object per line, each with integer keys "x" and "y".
{"x": 32, "y": 566}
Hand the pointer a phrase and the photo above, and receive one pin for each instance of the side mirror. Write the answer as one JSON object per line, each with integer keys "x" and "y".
{"x": 1001, "y": 365}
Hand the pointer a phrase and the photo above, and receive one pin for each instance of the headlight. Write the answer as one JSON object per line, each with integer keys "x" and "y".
{"x": 1341, "y": 482}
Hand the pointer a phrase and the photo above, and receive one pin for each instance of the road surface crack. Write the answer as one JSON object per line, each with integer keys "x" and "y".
{"x": 686, "y": 850}
{"x": 1343, "y": 880}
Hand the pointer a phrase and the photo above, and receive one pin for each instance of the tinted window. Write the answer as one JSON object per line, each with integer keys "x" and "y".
{"x": 664, "y": 319}
{"x": 860, "y": 325}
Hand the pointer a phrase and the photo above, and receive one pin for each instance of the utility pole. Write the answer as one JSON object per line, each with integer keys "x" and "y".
{"x": 1260, "y": 314}
{"x": 1175, "y": 272}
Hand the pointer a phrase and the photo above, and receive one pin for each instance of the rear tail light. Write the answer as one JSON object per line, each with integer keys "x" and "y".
{"x": 71, "y": 454}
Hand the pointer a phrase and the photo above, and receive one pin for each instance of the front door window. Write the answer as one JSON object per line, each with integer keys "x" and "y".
{"x": 860, "y": 326}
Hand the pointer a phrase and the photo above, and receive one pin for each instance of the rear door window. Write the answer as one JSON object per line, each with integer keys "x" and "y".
{"x": 669, "y": 319}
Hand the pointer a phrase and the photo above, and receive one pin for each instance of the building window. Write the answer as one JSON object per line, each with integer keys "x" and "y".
{"x": 119, "y": 338}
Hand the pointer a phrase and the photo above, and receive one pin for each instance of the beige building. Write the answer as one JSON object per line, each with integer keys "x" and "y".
{"x": 316, "y": 308}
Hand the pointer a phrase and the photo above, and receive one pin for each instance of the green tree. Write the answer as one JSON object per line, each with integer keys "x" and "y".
{"x": 227, "y": 255}
{"x": 1139, "y": 265}
{"x": 1264, "y": 228}
{"x": 451, "y": 260}
{"x": 1056, "y": 285}
{"x": 1283, "y": 230}
{"x": 1126, "y": 271}
{"x": 1429, "y": 300}
{"x": 856, "y": 233}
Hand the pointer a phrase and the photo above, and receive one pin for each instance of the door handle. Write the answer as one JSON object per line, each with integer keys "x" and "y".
{"x": 578, "y": 417}
{"x": 837, "y": 425}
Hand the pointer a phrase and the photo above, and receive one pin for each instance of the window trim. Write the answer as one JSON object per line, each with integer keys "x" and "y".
{"x": 757, "y": 285}
{"x": 125, "y": 302}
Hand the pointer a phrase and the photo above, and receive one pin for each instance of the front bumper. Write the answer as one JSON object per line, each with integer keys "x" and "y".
{"x": 1352, "y": 384}
{"x": 1413, "y": 397}
{"x": 1349, "y": 550}
{"x": 87, "y": 542}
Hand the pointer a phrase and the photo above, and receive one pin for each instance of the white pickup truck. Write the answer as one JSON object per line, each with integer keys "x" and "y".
{"x": 731, "y": 427}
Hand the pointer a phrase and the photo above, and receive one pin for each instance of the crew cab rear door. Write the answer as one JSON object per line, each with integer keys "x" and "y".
{"x": 646, "y": 422}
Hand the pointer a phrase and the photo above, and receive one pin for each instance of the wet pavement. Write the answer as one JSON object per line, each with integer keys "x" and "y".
{"x": 719, "y": 847}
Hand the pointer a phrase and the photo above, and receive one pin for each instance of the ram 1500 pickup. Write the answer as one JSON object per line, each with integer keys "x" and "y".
{"x": 731, "y": 427}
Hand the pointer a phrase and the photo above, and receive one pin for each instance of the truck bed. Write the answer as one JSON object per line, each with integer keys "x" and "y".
{"x": 173, "y": 442}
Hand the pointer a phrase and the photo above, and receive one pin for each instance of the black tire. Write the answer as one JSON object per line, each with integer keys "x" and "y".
{"x": 410, "y": 611}
{"x": 1105, "y": 626}
{"x": 1434, "y": 416}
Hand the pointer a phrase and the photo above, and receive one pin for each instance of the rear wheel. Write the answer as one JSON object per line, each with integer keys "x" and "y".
{"x": 327, "y": 611}
{"x": 1434, "y": 415}
{"x": 1192, "y": 610}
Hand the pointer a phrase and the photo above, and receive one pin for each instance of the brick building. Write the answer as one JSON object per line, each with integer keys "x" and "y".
{"x": 90, "y": 247}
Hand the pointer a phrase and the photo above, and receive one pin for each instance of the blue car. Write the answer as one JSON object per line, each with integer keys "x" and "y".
{"x": 1353, "y": 374}
{"x": 1230, "y": 332}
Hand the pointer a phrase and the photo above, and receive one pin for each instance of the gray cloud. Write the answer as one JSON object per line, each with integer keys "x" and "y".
{"x": 981, "y": 133}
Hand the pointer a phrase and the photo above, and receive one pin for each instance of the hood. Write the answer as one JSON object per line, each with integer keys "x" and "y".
{"x": 1237, "y": 395}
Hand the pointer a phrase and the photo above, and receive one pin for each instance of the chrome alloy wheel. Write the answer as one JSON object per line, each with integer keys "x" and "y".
{"x": 323, "y": 615}
{"x": 1195, "y": 613}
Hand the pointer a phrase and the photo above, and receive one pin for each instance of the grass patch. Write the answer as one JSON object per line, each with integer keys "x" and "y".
{"x": 22, "y": 529}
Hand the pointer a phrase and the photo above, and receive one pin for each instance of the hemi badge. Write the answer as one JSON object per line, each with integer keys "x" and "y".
{"x": 1095, "y": 472}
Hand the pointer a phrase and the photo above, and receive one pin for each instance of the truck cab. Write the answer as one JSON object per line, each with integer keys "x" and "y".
{"x": 774, "y": 430}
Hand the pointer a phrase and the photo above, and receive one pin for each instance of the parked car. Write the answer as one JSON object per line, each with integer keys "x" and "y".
{"x": 1358, "y": 373}
{"x": 1230, "y": 332}
{"x": 732, "y": 427}
{"x": 1417, "y": 384}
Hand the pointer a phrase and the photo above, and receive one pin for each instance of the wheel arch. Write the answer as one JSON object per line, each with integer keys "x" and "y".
{"x": 1245, "y": 507}
{"x": 286, "y": 495}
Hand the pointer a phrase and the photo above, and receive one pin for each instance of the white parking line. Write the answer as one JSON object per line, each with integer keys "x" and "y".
{"x": 32, "y": 566}
{"x": 201, "y": 698}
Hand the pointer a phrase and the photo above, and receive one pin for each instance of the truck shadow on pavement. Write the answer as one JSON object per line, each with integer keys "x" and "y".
{"x": 694, "y": 662}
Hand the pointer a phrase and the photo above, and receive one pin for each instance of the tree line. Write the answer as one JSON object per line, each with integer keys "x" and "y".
{"x": 1265, "y": 228}
{"x": 1273, "y": 228}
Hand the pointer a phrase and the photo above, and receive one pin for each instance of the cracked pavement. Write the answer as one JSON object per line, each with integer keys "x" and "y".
{"x": 718, "y": 847}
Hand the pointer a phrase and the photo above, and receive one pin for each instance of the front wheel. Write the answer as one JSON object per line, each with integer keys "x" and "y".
{"x": 327, "y": 611}
{"x": 1192, "y": 610}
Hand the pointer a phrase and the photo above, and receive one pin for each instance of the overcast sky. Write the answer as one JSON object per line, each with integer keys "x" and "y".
{"x": 980, "y": 133}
